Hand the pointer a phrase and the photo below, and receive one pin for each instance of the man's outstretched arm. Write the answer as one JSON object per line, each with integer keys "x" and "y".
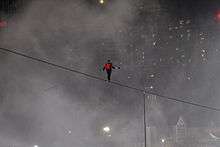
{"x": 115, "y": 67}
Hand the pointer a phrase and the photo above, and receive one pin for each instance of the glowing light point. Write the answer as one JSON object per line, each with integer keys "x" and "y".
{"x": 152, "y": 75}
{"x": 106, "y": 129}
{"x": 69, "y": 132}
{"x": 101, "y": 1}
{"x": 163, "y": 140}
{"x": 36, "y": 146}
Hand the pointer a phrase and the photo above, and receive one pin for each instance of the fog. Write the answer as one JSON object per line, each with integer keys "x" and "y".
{"x": 45, "y": 106}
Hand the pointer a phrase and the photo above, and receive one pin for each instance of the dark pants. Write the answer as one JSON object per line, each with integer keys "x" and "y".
{"x": 109, "y": 72}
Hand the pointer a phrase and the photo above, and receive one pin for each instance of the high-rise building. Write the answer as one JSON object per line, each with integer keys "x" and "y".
{"x": 180, "y": 131}
{"x": 153, "y": 136}
{"x": 148, "y": 137}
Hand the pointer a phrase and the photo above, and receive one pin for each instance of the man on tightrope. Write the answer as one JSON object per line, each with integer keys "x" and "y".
{"x": 108, "y": 67}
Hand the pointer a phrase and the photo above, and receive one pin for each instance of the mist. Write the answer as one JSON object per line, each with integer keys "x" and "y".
{"x": 45, "y": 106}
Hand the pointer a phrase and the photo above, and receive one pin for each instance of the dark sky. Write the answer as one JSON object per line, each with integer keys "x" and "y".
{"x": 167, "y": 47}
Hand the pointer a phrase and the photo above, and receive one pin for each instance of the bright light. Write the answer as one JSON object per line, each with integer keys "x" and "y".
{"x": 106, "y": 129}
{"x": 163, "y": 140}
{"x": 36, "y": 146}
{"x": 69, "y": 132}
{"x": 101, "y": 1}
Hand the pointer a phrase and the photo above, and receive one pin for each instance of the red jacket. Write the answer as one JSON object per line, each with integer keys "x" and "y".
{"x": 108, "y": 66}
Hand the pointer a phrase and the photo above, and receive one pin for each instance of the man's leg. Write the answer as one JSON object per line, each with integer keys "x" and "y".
{"x": 109, "y": 75}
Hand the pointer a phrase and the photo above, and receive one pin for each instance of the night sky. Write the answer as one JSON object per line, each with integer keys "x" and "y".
{"x": 169, "y": 47}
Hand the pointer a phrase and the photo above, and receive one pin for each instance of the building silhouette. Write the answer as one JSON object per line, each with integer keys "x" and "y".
{"x": 180, "y": 131}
